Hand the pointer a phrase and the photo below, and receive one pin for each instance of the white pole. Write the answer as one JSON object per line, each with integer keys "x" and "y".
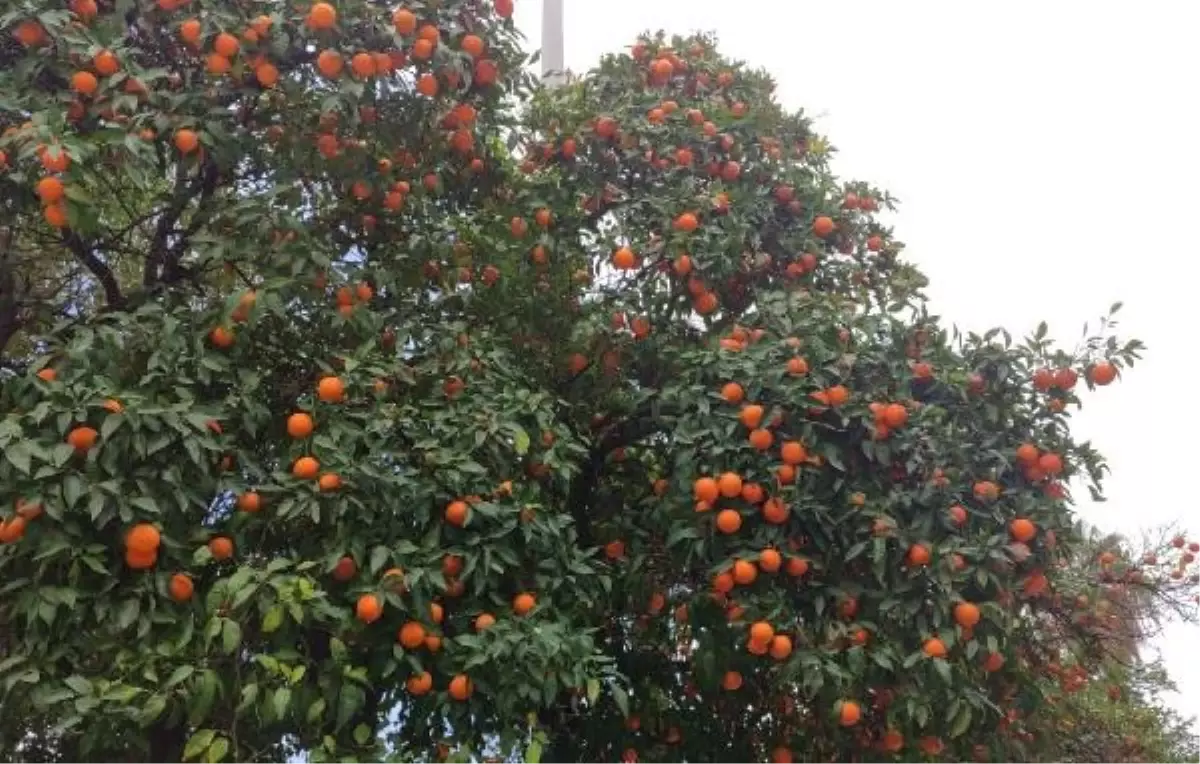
{"x": 553, "y": 66}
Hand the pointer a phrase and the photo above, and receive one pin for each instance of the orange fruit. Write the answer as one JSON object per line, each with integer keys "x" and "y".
{"x": 775, "y": 511}
{"x": 484, "y": 621}
{"x": 523, "y": 603}
{"x": 822, "y": 226}
{"x": 189, "y": 31}
{"x": 729, "y": 521}
{"x": 411, "y": 635}
{"x": 181, "y": 587}
{"x": 221, "y": 548}
{"x": 1027, "y": 453}
{"x": 993, "y": 663}
{"x": 405, "y": 21}
{"x": 1102, "y": 373}
{"x": 624, "y": 259}
{"x": 140, "y": 560}
{"x": 730, "y": 485}
{"x": 958, "y": 515}
{"x": 47, "y": 375}
{"x": 751, "y": 416}
{"x": 797, "y": 567}
{"x": 457, "y": 513}
{"x": 267, "y": 74}
{"x": 363, "y": 65}
{"x": 895, "y": 415}
{"x": 143, "y": 538}
{"x": 761, "y": 631}
{"x": 934, "y": 648}
{"x": 299, "y": 425}
{"x": 744, "y": 573}
{"x": 84, "y": 83}
{"x": 221, "y": 338}
{"x": 186, "y": 140}
{"x": 966, "y": 614}
{"x": 781, "y": 647}
{"x": 436, "y": 612}
{"x": 345, "y": 569}
{"x": 1051, "y": 464}
{"x": 330, "y": 481}
{"x": 706, "y": 489}
{"x": 330, "y": 63}
{"x": 848, "y": 713}
{"x": 761, "y": 439}
{"x": 368, "y": 608}
{"x": 12, "y": 530}
{"x": 731, "y": 681}
{"x": 732, "y": 392}
{"x": 56, "y": 215}
{"x": 686, "y": 223}
{"x": 918, "y": 555}
{"x": 419, "y": 683}
{"x": 460, "y": 687}
{"x": 305, "y": 468}
{"x": 321, "y": 16}
{"x": 797, "y": 366}
{"x": 1022, "y": 530}
{"x": 793, "y": 453}
{"x": 330, "y": 389}
{"x": 427, "y": 85}
{"x": 50, "y": 190}
{"x": 770, "y": 561}
{"x": 226, "y": 45}
{"x": 82, "y": 438}
{"x": 249, "y": 501}
{"x": 217, "y": 64}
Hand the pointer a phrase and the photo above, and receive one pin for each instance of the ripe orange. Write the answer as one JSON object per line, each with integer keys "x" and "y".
{"x": 330, "y": 481}
{"x": 50, "y": 190}
{"x": 143, "y": 538}
{"x": 484, "y": 621}
{"x": 299, "y": 425}
{"x": 368, "y": 608}
{"x": 305, "y": 468}
{"x": 744, "y": 573}
{"x": 1102, "y": 373}
{"x": 966, "y": 614}
{"x": 221, "y": 548}
{"x": 1022, "y": 530}
{"x": 523, "y": 603}
{"x": 226, "y": 44}
{"x": 730, "y": 485}
{"x": 781, "y": 755}
{"x": 732, "y": 392}
{"x": 751, "y": 416}
{"x": 781, "y": 647}
{"x": 249, "y": 501}
{"x": 993, "y": 663}
{"x": 140, "y": 560}
{"x": 181, "y": 587}
{"x": 761, "y": 631}
{"x": 411, "y": 635}
{"x": 363, "y": 65}
{"x": 1051, "y": 464}
{"x": 686, "y": 222}
{"x": 793, "y": 453}
{"x": 732, "y": 681}
{"x": 457, "y": 513}
{"x": 797, "y": 567}
{"x": 460, "y": 687}
{"x": 624, "y": 259}
{"x": 186, "y": 140}
{"x": 958, "y": 515}
{"x": 47, "y": 374}
{"x": 918, "y": 555}
{"x": 822, "y": 226}
{"x": 216, "y": 64}
{"x": 267, "y": 74}
{"x": 848, "y": 713}
{"x": 345, "y": 569}
{"x": 405, "y": 21}
{"x": 84, "y": 83}
{"x": 761, "y": 439}
{"x": 729, "y": 521}
{"x": 427, "y": 85}
{"x": 934, "y": 648}
{"x": 82, "y": 438}
{"x": 775, "y": 511}
{"x": 436, "y": 612}
{"x": 12, "y": 530}
{"x": 321, "y": 16}
{"x": 706, "y": 489}
{"x": 330, "y": 389}
{"x": 1027, "y": 453}
{"x": 56, "y": 215}
{"x": 330, "y": 63}
{"x": 770, "y": 560}
{"x": 797, "y": 366}
{"x": 723, "y": 583}
{"x": 895, "y": 415}
{"x": 419, "y": 683}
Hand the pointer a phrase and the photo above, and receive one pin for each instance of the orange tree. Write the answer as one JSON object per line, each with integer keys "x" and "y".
{"x": 397, "y": 405}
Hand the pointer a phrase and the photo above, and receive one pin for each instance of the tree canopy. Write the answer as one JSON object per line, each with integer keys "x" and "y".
{"x": 362, "y": 398}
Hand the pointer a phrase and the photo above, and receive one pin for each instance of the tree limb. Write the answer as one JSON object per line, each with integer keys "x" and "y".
{"x": 85, "y": 255}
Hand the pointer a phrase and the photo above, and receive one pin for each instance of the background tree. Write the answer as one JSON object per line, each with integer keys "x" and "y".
{"x": 395, "y": 404}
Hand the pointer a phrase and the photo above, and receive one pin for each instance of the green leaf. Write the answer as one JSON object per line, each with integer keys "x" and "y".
{"x": 593, "y": 690}
{"x": 198, "y": 743}
{"x": 273, "y": 619}
{"x": 127, "y": 613}
{"x": 621, "y": 699}
{"x": 19, "y": 455}
{"x": 79, "y": 684}
{"x": 350, "y": 699}
{"x": 179, "y": 675}
{"x": 280, "y": 701}
{"x": 217, "y": 751}
{"x": 533, "y": 753}
{"x": 231, "y": 636}
{"x": 362, "y": 733}
{"x": 962, "y": 722}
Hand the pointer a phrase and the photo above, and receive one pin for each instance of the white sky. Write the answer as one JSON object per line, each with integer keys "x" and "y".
{"x": 1046, "y": 157}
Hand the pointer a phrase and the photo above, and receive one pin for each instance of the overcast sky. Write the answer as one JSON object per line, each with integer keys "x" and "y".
{"x": 1046, "y": 158}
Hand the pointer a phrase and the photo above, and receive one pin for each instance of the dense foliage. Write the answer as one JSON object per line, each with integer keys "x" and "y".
{"x": 360, "y": 397}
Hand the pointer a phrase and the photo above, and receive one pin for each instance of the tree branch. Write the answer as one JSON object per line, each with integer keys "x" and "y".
{"x": 84, "y": 254}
